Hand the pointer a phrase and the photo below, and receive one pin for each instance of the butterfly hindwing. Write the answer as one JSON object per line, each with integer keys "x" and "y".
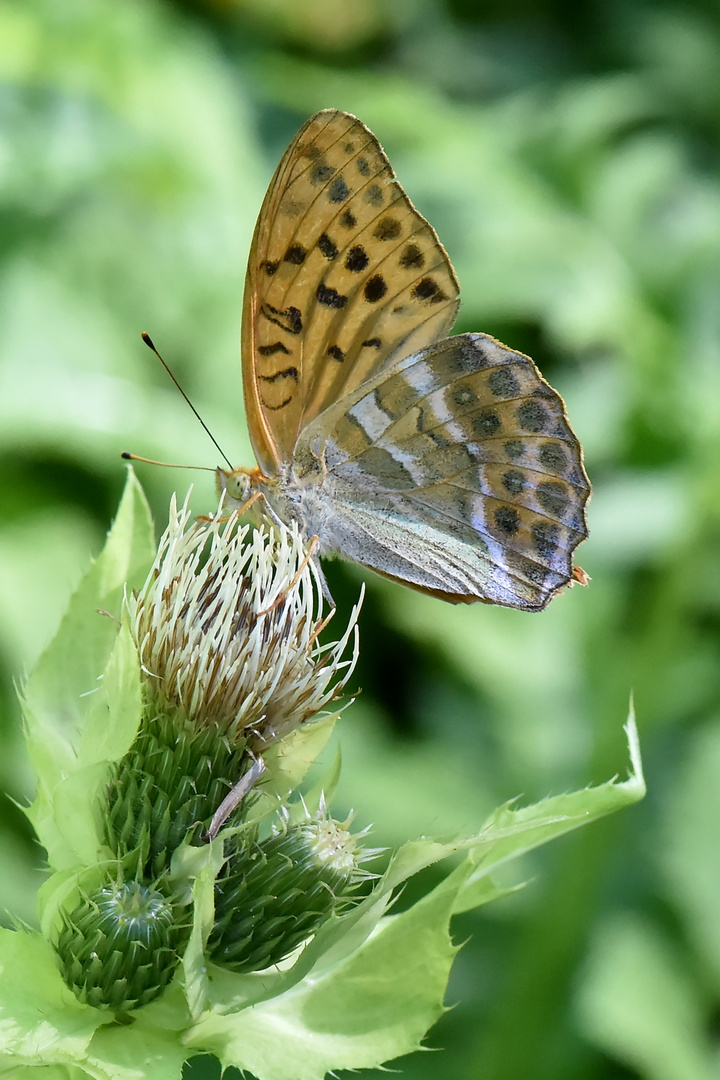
{"x": 464, "y": 448}
{"x": 344, "y": 276}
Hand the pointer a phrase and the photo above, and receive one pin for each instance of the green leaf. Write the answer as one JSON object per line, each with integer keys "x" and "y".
{"x": 149, "y": 1053}
{"x": 204, "y": 864}
{"x": 375, "y": 1005}
{"x": 327, "y": 970}
{"x": 62, "y": 719}
{"x": 41, "y": 1022}
{"x": 288, "y": 761}
{"x": 108, "y": 732}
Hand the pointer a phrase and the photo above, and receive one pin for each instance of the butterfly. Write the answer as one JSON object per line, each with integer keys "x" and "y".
{"x": 444, "y": 463}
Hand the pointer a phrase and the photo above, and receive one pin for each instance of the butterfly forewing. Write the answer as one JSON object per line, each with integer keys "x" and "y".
{"x": 465, "y": 446}
{"x": 344, "y": 277}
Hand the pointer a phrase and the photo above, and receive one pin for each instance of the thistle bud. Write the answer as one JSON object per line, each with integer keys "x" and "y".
{"x": 273, "y": 895}
{"x": 120, "y": 945}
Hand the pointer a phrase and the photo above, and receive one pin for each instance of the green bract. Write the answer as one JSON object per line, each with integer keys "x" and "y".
{"x": 166, "y": 789}
{"x": 363, "y": 990}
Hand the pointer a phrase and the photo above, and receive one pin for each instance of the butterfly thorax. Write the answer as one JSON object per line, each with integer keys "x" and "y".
{"x": 294, "y": 494}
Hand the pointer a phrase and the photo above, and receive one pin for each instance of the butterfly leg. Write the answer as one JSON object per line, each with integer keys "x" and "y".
{"x": 323, "y": 583}
{"x": 243, "y": 509}
{"x": 579, "y": 576}
{"x": 320, "y": 627}
{"x": 310, "y": 555}
{"x": 235, "y": 796}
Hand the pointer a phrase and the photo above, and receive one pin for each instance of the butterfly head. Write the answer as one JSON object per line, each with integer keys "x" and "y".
{"x": 236, "y": 483}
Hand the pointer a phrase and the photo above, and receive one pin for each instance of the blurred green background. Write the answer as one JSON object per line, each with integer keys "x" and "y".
{"x": 568, "y": 156}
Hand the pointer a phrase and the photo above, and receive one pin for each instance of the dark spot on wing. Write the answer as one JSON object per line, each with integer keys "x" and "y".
{"x": 514, "y": 449}
{"x": 545, "y": 539}
{"x": 349, "y": 148}
{"x": 553, "y": 497}
{"x": 363, "y": 166}
{"x": 428, "y": 289}
{"x": 463, "y": 396}
{"x": 270, "y": 350}
{"x": 533, "y": 416}
{"x": 486, "y": 423}
{"x": 514, "y": 481}
{"x": 330, "y": 297}
{"x": 375, "y": 288}
{"x": 387, "y": 229}
{"x": 295, "y": 254}
{"x": 338, "y": 191}
{"x": 372, "y": 343}
{"x": 552, "y": 455}
{"x": 463, "y": 359}
{"x": 374, "y": 196}
{"x": 291, "y": 207}
{"x": 502, "y": 383}
{"x": 348, "y": 220}
{"x": 269, "y": 267}
{"x": 290, "y": 319}
{"x": 286, "y": 373}
{"x": 327, "y": 247}
{"x": 507, "y": 519}
{"x": 357, "y": 259}
{"x": 531, "y": 571}
{"x": 336, "y": 352}
{"x": 412, "y": 258}
{"x": 321, "y": 172}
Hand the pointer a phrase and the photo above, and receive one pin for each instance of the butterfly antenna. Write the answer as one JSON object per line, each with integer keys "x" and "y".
{"x": 165, "y": 464}
{"x": 149, "y": 342}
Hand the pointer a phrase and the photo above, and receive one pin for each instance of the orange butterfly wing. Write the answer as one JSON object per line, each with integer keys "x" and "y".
{"x": 344, "y": 277}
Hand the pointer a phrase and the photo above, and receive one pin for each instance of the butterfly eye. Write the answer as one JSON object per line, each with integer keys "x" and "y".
{"x": 236, "y": 484}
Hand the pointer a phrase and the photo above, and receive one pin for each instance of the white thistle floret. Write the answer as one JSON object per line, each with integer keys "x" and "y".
{"x": 227, "y": 624}
{"x": 333, "y": 843}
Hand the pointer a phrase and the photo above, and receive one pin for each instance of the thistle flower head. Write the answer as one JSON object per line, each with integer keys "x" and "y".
{"x": 331, "y": 843}
{"x": 227, "y": 628}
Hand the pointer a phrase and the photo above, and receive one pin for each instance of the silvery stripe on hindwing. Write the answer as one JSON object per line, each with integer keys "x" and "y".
{"x": 395, "y": 542}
